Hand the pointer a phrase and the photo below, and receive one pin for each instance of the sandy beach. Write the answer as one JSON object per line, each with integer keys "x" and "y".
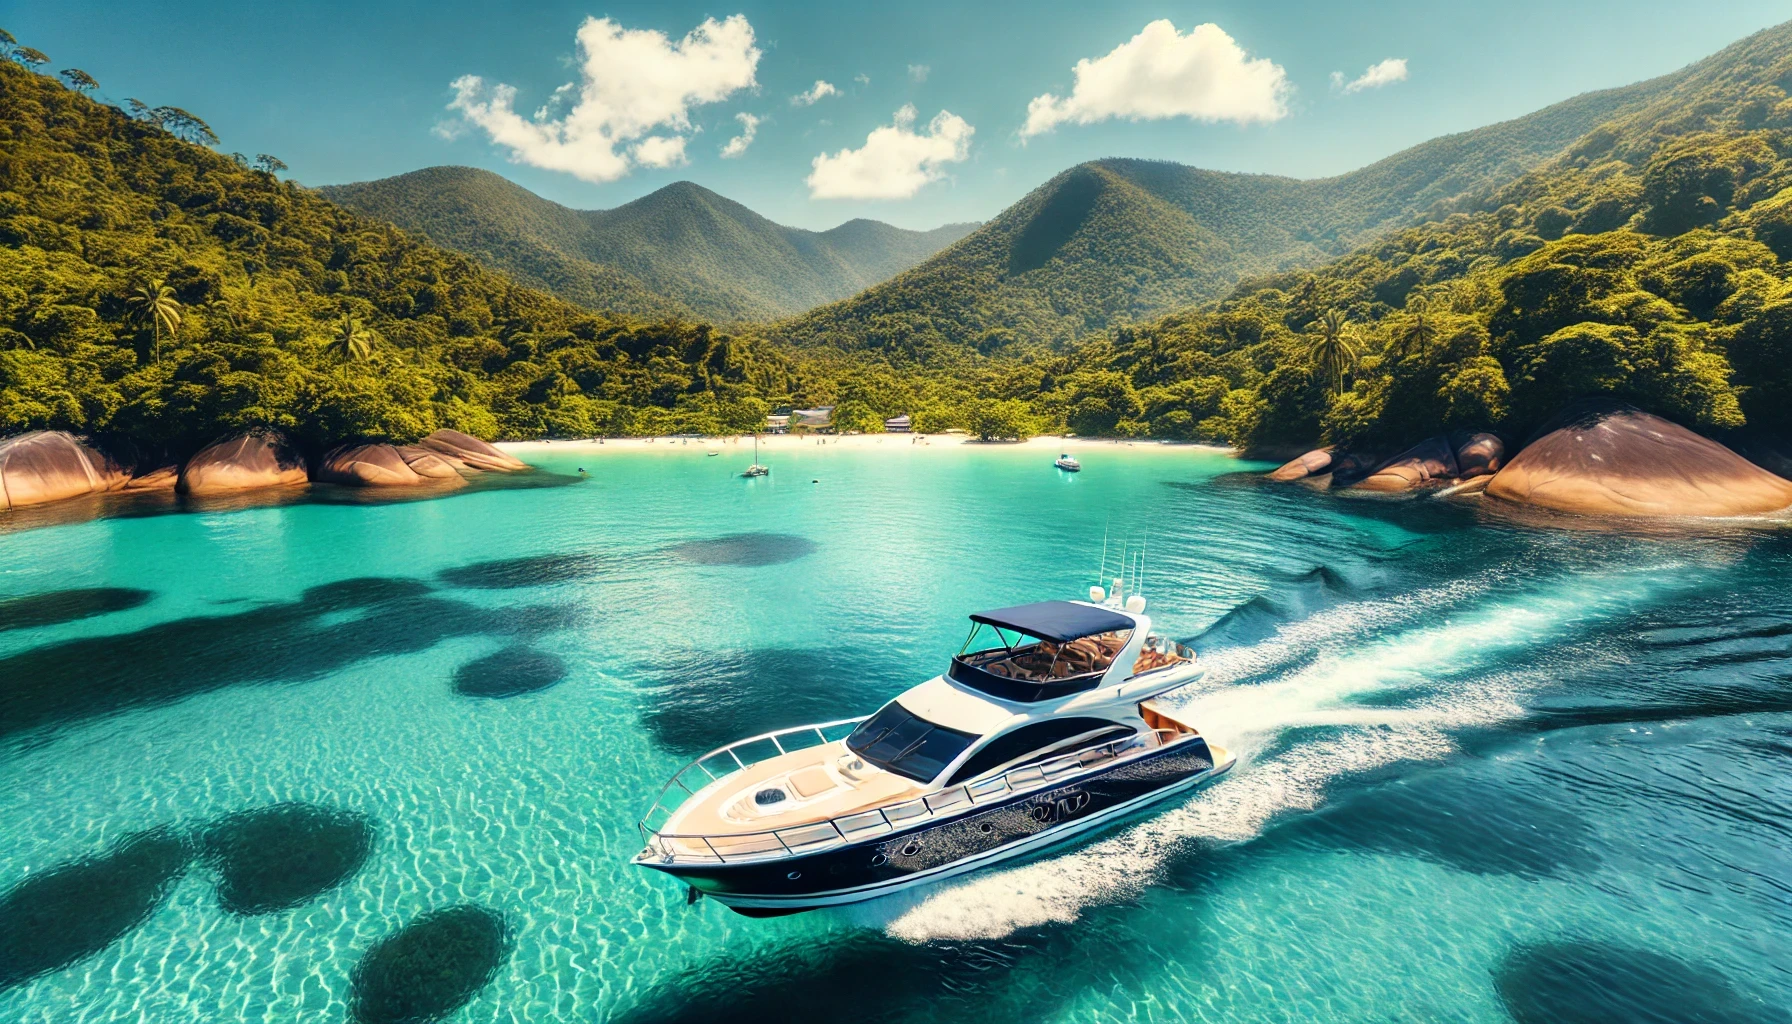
{"x": 773, "y": 443}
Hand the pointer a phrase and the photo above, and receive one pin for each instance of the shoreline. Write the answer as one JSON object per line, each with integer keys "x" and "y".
{"x": 857, "y": 442}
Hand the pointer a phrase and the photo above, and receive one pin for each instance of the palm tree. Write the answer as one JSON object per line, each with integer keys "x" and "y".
{"x": 1414, "y": 337}
{"x": 154, "y": 301}
{"x": 1331, "y": 352}
{"x": 352, "y": 341}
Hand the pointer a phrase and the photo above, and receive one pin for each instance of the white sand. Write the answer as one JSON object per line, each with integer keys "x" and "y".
{"x": 774, "y": 443}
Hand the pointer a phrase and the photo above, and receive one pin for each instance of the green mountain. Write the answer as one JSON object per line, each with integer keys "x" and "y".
{"x": 157, "y": 292}
{"x": 1118, "y": 240}
{"x": 1650, "y": 262}
{"x": 681, "y": 250}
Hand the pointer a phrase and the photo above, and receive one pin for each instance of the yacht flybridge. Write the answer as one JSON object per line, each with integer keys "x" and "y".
{"x": 1044, "y": 725}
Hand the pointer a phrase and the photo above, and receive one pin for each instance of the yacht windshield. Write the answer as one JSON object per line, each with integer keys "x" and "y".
{"x": 897, "y": 740}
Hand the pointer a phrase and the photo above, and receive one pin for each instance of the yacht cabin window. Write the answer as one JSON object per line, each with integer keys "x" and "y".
{"x": 1036, "y": 742}
{"x": 898, "y": 740}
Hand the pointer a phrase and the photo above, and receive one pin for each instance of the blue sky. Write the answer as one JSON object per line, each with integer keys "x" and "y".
{"x": 928, "y": 118}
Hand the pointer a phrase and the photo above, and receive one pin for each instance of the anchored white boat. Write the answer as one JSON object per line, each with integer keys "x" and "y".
{"x": 756, "y": 469}
{"x": 1068, "y": 463}
{"x": 1045, "y": 725}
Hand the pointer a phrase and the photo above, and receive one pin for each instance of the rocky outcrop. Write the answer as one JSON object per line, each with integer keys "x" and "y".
{"x": 1432, "y": 460}
{"x": 430, "y": 465}
{"x": 471, "y": 452}
{"x": 246, "y": 461}
{"x": 383, "y": 465}
{"x": 1311, "y": 464}
{"x": 49, "y": 465}
{"x": 161, "y": 479}
{"x": 1619, "y": 460}
{"x": 1479, "y": 455}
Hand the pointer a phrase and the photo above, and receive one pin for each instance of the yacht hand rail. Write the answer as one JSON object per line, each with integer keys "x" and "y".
{"x": 732, "y": 750}
{"x": 815, "y": 835}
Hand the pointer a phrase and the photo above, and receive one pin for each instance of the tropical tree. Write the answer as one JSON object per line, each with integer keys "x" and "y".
{"x": 1413, "y": 337}
{"x": 78, "y": 80}
{"x": 352, "y": 341}
{"x": 1331, "y": 351}
{"x": 183, "y": 125}
{"x": 154, "y": 301}
{"x": 269, "y": 163}
{"x": 26, "y": 57}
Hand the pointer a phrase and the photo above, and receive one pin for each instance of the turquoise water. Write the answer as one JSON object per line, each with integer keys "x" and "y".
{"x": 1486, "y": 772}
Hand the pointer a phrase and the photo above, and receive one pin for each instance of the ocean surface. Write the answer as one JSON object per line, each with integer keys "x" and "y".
{"x": 378, "y": 762}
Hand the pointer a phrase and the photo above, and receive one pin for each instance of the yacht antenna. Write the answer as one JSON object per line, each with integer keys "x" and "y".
{"x": 1143, "y": 547}
{"x": 1103, "y": 571}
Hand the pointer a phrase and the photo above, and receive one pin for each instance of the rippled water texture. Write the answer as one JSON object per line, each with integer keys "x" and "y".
{"x": 380, "y": 762}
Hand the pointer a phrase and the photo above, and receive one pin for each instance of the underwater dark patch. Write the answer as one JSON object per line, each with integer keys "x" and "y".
{"x": 1464, "y": 821}
{"x": 73, "y": 911}
{"x": 747, "y": 549}
{"x": 288, "y": 641}
{"x": 58, "y": 606}
{"x": 863, "y": 978}
{"x": 699, "y": 700}
{"x": 430, "y": 967}
{"x": 509, "y": 672}
{"x": 360, "y": 592}
{"x": 511, "y": 573}
{"x": 1593, "y": 983}
{"x": 278, "y": 857}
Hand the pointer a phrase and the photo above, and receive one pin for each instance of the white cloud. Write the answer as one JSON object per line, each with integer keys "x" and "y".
{"x": 660, "y": 151}
{"x": 1161, "y": 73}
{"x": 749, "y": 127}
{"x": 819, "y": 91}
{"x": 919, "y": 72}
{"x": 896, "y": 160}
{"x": 862, "y": 78}
{"x": 634, "y": 82}
{"x": 1385, "y": 73}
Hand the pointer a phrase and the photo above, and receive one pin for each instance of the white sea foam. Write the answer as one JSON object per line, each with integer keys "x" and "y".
{"x": 1440, "y": 639}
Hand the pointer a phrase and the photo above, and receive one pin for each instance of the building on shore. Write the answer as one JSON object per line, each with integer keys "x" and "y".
{"x": 777, "y": 424}
{"x": 820, "y": 418}
{"x": 897, "y": 425}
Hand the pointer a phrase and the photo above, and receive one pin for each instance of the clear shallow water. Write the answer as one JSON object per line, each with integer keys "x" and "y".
{"x": 1486, "y": 773}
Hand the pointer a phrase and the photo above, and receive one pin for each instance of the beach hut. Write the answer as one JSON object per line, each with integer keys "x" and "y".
{"x": 776, "y": 424}
{"x": 897, "y": 425}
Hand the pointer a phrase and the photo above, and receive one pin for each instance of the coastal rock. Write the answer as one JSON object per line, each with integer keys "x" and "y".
{"x": 49, "y": 465}
{"x": 472, "y": 452}
{"x": 241, "y": 462}
{"x": 1431, "y": 460}
{"x": 1480, "y": 455}
{"x": 1619, "y": 460}
{"x": 160, "y": 479}
{"x": 382, "y": 465}
{"x": 1310, "y": 464}
{"x": 1352, "y": 467}
{"x": 426, "y": 463}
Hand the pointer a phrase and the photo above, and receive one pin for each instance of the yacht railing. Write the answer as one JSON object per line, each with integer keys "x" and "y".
{"x": 815, "y": 836}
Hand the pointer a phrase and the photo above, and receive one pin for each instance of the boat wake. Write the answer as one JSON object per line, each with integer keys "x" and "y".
{"x": 1301, "y": 709}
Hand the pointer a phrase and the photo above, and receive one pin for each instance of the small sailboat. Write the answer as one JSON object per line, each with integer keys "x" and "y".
{"x": 1068, "y": 463}
{"x": 756, "y": 469}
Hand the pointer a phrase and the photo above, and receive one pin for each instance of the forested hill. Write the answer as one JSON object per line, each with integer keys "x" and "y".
{"x": 682, "y": 249}
{"x": 1647, "y": 263}
{"x": 158, "y": 292}
{"x": 1117, "y": 240}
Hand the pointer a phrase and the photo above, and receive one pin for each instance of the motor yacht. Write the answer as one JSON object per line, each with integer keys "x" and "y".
{"x": 1068, "y": 463}
{"x": 1045, "y": 725}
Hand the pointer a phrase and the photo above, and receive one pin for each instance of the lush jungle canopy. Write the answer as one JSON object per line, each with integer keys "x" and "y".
{"x": 154, "y": 290}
